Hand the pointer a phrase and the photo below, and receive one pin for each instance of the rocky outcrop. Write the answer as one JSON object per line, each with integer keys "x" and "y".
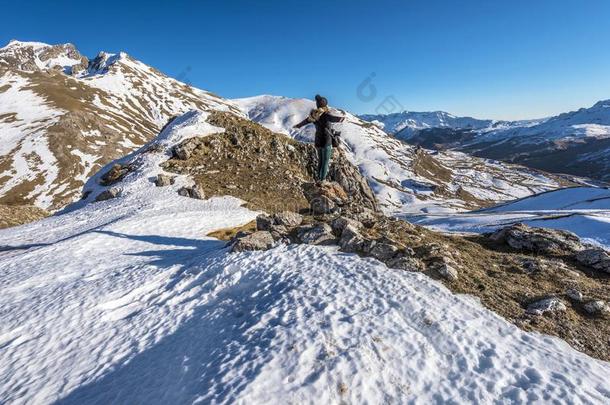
{"x": 538, "y": 240}
{"x": 596, "y": 258}
{"x": 259, "y": 240}
{"x": 163, "y": 180}
{"x": 111, "y": 193}
{"x": 550, "y": 304}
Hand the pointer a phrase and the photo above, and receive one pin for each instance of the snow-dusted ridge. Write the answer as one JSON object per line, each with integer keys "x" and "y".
{"x": 127, "y": 301}
{"x": 62, "y": 117}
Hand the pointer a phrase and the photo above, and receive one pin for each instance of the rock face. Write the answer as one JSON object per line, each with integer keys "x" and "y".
{"x": 538, "y": 240}
{"x": 259, "y": 240}
{"x": 597, "y": 307}
{"x": 319, "y": 234}
{"x": 192, "y": 192}
{"x": 287, "y": 218}
{"x": 108, "y": 194}
{"x": 551, "y": 304}
{"x": 116, "y": 173}
{"x": 597, "y": 258}
{"x": 164, "y": 180}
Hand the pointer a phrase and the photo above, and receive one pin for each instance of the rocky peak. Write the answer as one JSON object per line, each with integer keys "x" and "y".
{"x": 37, "y": 56}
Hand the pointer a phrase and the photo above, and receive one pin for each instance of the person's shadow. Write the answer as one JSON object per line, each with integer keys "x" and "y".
{"x": 194, "y": 363}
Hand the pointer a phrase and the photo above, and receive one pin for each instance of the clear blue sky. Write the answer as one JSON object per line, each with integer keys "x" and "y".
{"x": 486, "y": 58}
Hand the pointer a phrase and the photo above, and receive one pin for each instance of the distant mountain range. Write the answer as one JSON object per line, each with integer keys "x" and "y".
{"x": 576, "y": 142}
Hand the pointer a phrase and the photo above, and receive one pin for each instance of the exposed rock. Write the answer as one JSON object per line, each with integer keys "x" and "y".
{"x": 192, "y": 192}
{"x": 597, "y": 307}
{"x": 351, "y": 241}
{"x": 366, "y": 217}
{"x": 184, "y": 150}
{"x": 446, "y": 269}
{"x": 325, "y": 198}
{"x": 317, "y": 234}
{"x": 539, "y": 240}
{"x": 597, "y": 258}
{"x": 406, "y": 263}
{"x": 164, "y": 180}
{"x": 383, "y": 251}
{"x": 339, "y": 224}
{"x": 551, "y": 304}
{"x": 574, "y": 294}
{"x": 259, "y": 240}
{"x": 263, "y": 222}
{"x": 116, "y": 173}
{"x": 287, "y": 218}
{"x": 108, "y": 194}
{"x": 280, "y": 232}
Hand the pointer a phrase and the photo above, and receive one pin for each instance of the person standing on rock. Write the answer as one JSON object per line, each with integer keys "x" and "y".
{"x": 322, "y": 119}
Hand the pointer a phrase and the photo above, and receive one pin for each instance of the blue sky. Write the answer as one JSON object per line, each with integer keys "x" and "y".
{"x": 489, "y": 59}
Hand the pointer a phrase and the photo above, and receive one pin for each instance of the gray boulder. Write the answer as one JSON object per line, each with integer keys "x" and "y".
{"x": 164, "y": 180}
{"x": 192, "y": 192}
{"x": 446, "y": 270}
{"x": 340, "y": 223}
{"x": 287, "y": 218}
{"x": 596, "y": 258}
{"x": 405, "y": 263}
{"x": 597, "y": 307}
{"x": 259, "y": 240}
{"x": 318, "y": 234}
{"x": 263, "y": 222}
{"x": 551, "y": 304}
{"x": 383, "y": 251}
{"x": 574, "y": 294}
{"x": 108, "y": 194}
{"x": 539, "y": 240}
{"x": 351, "y": 241}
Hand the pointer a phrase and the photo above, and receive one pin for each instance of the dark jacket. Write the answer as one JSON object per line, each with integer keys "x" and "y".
{"x": 323, "y": 138}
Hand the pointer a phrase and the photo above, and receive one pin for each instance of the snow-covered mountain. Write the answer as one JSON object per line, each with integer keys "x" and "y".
{"x": 576, "y": 142}
{"x": 409, "y": 122}
{"x": 63, "y": 116}
{"x": 127, "y": 301}
{"x": 408, "y": 179}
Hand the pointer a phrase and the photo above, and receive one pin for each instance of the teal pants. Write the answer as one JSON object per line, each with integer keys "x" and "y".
{"x": 324, "y": 155}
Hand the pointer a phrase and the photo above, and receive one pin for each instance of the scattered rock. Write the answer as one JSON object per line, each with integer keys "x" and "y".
{"x": 596, "y": 258}
{"x": 287, "y": 218}
{"x": 192, "y": 192}
{"x": 551, "y": 304}
{"x": 259, "y": 240}
{"x": 446, "y": 269}
{"x": 279, "y": 232}
{"x": 116, "y": 173}
{"x": 263, "y": 222}
{"x": 317, "y": 234}
{"x": 339, "y": 224}
{"x": 164, "y": 180}
{"x": 185, "y": 150}
{"x": 383, "y": 251}
{"x": 351, "y": 241}
{"x": 406, "y": 263}
{"x": 597, "y": 307}
{"x": 108, "y": 194}
{"x": 574, "y": 294}
{"x": 538, "y": 240}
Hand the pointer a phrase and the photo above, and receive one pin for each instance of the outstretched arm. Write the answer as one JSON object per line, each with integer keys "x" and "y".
{"x": 302, "y": 123}
{"x": 334, "y": 118}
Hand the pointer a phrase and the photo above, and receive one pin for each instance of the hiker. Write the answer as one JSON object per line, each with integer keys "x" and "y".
{"x": 325, "y": 135}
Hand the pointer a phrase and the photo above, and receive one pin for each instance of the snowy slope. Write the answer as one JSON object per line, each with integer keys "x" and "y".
{"x": 582, "y": 210}
{"x": 62, "y": 117}
{"x": 405, "y": 179}
{"x": 127, "y": 301}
